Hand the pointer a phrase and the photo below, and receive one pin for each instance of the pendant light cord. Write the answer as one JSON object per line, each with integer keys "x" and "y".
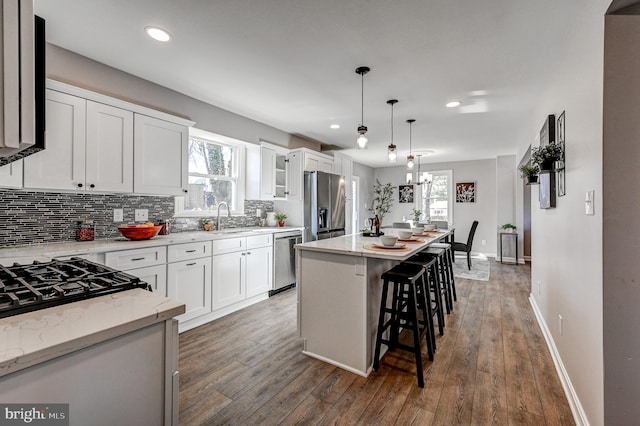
{"x": 361, "y": 99}
{"x": 392, "y": 123}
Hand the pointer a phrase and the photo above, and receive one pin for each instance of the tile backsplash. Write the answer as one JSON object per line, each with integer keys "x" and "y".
{"x": 29, "y": 217}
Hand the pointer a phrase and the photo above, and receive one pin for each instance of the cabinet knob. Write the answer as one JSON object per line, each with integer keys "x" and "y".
{"x": 92, "y": 186}
{"x": 185, "y": 191}
{"x": 79, "y": 185}
{"x": 248, "y": 252}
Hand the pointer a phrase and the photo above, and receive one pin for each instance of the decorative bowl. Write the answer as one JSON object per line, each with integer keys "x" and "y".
{"x": 389, "y": 240}
{"x": 405, "y": 235}
{"x": 139, "y": 232}
{"x": 430, "y": 227}
{"x": 417, "y": 230}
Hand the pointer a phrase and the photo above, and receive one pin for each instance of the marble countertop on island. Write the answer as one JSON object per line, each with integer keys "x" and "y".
{"x": 35, "y": 337}
{"x": 353, "y": 245}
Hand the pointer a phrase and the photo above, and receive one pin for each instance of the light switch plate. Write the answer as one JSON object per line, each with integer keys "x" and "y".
{"x": 118, "y": 215}
{"x": 141, "y": 215}
{"x": 588, "y": 203}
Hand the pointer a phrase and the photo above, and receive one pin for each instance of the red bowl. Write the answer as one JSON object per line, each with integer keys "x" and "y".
{"x": 134, "y": 232}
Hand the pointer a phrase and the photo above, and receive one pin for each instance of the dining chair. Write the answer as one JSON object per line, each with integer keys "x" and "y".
{"x": 466, "y": 247}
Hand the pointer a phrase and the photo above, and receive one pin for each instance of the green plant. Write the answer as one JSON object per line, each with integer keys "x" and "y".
{"x": 546, "y": 154}
{"x": 206, "y": 221}
{"x": 508, "y": 227}
{"x": 382, "y": 199}
{"x": 416, "y": 213}
{"x": 280, "y": 216}
{"x": 528, "y": 171}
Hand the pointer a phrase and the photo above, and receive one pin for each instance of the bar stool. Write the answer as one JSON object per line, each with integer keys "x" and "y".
{"x": 449, "y": 259}
{"x": 430, "y": 263}
{"x": 408, "y": 300}
{"x": 443, "y": 273}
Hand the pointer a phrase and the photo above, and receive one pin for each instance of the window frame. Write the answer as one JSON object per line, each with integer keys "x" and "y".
{"x": 450, "y": 189}
{"x": 240, "y": 160}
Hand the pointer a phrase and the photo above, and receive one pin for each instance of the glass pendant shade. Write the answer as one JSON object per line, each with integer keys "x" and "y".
{"x": 362, "y": 129}
{"x": 410, "y": 162}
{"x": 392, "y": 153}
{"x": 362, "y": 140}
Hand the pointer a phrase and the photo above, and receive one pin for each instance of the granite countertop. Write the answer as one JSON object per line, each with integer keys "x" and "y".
{"x": 353, "y": 245}
{"x": 35, "y": 337}
{"x": 45, "y": 252}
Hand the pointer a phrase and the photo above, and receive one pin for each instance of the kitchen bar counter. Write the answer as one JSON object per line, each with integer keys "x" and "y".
{"x": 38, "y": 336}
{"x": 339, "y": 291}
{"x": 45, "y": 252}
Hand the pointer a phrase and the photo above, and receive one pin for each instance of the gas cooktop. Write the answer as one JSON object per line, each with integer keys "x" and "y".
{"x": 25, "y": 288}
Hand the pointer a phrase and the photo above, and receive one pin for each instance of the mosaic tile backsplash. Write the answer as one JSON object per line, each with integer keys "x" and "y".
{"x": 45, "y": 217}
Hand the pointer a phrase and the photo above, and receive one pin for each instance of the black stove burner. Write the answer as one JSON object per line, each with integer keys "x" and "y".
{"x": 25, "y": 288}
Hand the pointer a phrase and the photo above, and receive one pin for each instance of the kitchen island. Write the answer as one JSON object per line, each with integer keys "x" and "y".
{"x": 112, "y": 358}
{"x": 339, "y": 291}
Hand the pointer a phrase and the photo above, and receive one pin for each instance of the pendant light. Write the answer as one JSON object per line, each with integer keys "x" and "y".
{"x": 362, "y": 129}
{"x": 410, "y": 156}
{"x": 391, "y": 150}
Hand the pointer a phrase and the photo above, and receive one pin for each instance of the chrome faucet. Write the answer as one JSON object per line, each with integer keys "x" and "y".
{"x": 218, "y": 214}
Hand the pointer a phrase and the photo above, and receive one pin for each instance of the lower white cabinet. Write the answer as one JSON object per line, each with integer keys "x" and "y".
{"x": 155, "y": 276}
{"x": 149, "y": 264}
{"x": 243, "y": 273}
{"x": 189, "y": 282}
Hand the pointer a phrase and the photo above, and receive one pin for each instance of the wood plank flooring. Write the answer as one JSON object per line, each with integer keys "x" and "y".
{"x": 492, "y": 366}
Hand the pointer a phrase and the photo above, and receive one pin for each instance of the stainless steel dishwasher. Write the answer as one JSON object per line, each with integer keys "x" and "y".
{"x": 284, "y": 264}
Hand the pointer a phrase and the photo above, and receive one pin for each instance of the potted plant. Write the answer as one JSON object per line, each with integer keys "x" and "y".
{"x": 382, "y": 199}
{"x": 208, "y": 224}
{"x": 545, "y": 156}
{"x": 417, "y": 214}
{"x": 280, "y": 217}
{"x": 508, "y": 227}
{"x": 530, "y": 173}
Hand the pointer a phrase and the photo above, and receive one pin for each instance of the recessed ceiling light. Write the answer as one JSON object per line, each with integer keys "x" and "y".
{"x": 157, "y": 33}
{"x": 453, "y": 104}
{"x": 335, "y": 126}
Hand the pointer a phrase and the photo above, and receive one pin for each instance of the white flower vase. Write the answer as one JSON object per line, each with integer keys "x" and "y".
{"x": 271, "y": 219}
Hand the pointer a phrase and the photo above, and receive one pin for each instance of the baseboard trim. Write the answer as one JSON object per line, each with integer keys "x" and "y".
{"x": 579, "y": 416}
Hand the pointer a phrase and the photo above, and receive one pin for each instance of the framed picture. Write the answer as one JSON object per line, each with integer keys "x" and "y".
{"x": 560, "y": 135}
{"x": 465, "y": 192}
{"x": 405, "y": 193}
{"x": 547, "y": 190}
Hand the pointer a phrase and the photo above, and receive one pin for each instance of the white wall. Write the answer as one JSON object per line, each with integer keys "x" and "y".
{"x": 483, "y": 173}
{"x": 367, "y": 180}
{"x": 566, "y": 244}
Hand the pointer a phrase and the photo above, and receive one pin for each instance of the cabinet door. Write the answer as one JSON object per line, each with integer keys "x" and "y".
{"x": 259, "y": 271}
{"x": 325, "y": 166}
{"x": 160, "y": 157}
{"x": 228, "y": 274}
{"x": 310, "y": 164}
{"x": 190, "y": 283}
{"x": 61, "y": 165}
{"x": 155, "y": 276}
{"x": 294, "y": 176}
{"x": 11, "y": 175}
{"x": 109, "y": 160}
{"x": 267, "y": 173}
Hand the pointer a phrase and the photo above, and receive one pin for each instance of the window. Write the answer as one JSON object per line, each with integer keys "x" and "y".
{"x": 435, "y": 196}
{"x": 216, "y": 170}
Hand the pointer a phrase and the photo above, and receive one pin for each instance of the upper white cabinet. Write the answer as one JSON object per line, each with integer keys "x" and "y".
{"x": 89, "y": 146}
{"x": 160, "y": 156}
{"x": 272, "y": 173}
{"x": 315, "y": 161}
{"x": 98, "y": 143}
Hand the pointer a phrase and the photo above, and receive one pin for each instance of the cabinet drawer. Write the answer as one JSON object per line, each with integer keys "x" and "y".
{"x": 263, "y": 240}
{"x": 229, "y": 245}
{"x": 178, "y": 252}
{"x": 136, "y": 258}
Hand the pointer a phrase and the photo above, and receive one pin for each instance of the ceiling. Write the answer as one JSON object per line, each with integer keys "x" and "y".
{"x": 291, "y": 64}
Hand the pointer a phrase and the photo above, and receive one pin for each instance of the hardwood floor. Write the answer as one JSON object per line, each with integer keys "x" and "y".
{"x": 492, "y": 366}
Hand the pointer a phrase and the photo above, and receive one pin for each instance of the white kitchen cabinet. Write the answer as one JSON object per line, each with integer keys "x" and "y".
{"x": 317, "y": 162}
{"x": 189, "y": 282}
{"x": 244, "y": 272}
{"x": 160, "y": 157}
{"x": 11, "y": 175}
{"x": 148, "y": 264}
{"x": 89, "y": 146}
{"x": 273, "y": 173}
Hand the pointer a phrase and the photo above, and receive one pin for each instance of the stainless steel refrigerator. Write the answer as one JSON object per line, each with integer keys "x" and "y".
{"x": 324, "y": 205}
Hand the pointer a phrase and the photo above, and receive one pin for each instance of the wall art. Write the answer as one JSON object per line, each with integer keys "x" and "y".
{"x": 547, "y": 190}
{"x": 405, "y": 193}
{"x": 561, "y": 163}
{"x": 465, "y": 192}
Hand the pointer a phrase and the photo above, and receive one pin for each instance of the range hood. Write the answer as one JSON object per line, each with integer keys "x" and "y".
{"x": 22, "y": 89}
